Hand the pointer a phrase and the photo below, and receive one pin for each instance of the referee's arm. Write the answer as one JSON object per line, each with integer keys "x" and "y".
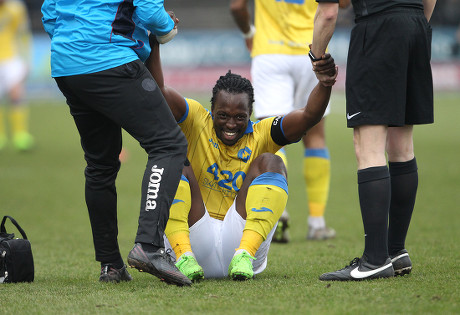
{"x": 324, "y": 25}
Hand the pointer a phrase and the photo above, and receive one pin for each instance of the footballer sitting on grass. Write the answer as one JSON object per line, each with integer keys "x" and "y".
{"x": 231, "y": 196}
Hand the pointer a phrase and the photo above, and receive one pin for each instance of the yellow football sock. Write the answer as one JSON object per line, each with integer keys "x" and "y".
{"x": 250, "y": 241}
{"x": 317, "y": 174}
{"x": 180, "y": 243}
{"x": 19, "y": 119}
{"x": 177, "y": 229}
{"x": 282, "y": 154}
{"x": 265, "y": 202}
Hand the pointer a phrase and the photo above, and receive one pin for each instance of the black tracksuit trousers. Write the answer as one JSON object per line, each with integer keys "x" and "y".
{"x": 103, "y": 103}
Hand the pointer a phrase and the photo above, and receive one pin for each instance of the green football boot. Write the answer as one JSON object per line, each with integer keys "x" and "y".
{"x": 23, "y": 141}
{"x": 241, "y": 266}
{"x": 190, "y": 268}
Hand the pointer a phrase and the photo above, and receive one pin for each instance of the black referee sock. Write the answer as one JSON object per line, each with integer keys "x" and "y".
{"x": 404, "y": 183}
{"x": 374, "y": 199}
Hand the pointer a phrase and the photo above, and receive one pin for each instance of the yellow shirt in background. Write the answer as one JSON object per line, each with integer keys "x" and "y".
{"x": 283, "y": 26}
{"x": 14, "y": 30}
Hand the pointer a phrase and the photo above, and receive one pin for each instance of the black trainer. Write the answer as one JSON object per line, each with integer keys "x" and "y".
{"x": 111, "y": 274}
{"x": 360, "y": 269}
{"x": 282, "y": 233}
{"x": 159, "y": 264}
{"x": 401, "y": 263}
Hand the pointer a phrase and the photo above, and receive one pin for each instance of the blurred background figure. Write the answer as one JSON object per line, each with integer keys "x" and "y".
{"x": 456, "y": 44}
{"x": 15, "y": 52}
{"x": 283, "y": 79}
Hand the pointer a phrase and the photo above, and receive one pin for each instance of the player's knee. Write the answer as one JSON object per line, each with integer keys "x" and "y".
{"x": 268, "y": 162}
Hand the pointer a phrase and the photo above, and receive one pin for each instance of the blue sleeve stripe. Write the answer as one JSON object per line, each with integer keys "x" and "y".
{"x": 186, "y": 113}
{"x": 185, "y": 179}
{"x": 321, "y": 153}
{"x": 281, "y": 127}
{"x": 270, "y": 178}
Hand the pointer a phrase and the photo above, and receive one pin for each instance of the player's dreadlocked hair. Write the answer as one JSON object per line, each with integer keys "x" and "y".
{"x": 235, "y": 84}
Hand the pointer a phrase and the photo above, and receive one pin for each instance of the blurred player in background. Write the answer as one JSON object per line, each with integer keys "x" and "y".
{"x": 222, "y": 222}
{"x": 15, "y": 53}
{"x": 283, "y": 79}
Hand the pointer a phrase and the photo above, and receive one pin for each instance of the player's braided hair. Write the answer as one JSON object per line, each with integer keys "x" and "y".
{"x": 235, "y": 84}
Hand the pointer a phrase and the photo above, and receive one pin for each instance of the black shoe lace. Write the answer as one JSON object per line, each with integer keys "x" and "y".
{"x": 168, "y": 255}
{"x": 353, "y": 262}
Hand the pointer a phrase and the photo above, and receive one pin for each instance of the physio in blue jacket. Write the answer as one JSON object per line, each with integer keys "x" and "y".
{"x": 98, "y": 49}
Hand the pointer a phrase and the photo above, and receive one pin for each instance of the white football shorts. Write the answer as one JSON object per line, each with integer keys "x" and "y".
{"x": 214, "y": 242}
{"x": 12, "y": 71}
{"x": 281, "y": 84}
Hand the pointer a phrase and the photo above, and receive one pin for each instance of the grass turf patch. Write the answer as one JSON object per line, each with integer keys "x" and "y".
{"x": 44, "y": 191}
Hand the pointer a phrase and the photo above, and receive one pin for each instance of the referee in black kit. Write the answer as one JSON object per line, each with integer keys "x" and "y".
{"x": 389, "y": 89}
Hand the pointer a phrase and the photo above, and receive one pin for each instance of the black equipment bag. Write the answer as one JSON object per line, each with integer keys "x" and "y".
{"x": 16, "y": 260}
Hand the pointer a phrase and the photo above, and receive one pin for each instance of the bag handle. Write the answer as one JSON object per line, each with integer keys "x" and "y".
{"x": 3, "y": 230}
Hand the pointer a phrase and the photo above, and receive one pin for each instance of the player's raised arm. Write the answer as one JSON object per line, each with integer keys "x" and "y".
{"x": 242, "y": 17}
{"x": 175, "y": 101}
{"x": 298, "y": 122}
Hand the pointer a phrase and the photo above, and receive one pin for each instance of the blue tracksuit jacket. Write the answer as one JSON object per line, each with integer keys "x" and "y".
{"x": 88, "y": 36}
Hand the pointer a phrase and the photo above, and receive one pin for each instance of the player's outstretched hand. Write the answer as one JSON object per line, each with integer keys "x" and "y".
{"x": 174, "y": 18}
{"x": 326, "y": 70}
{"x": 326, "y": 79}
{"x": 166, "y": 38}
{"x": 325, "y": 65}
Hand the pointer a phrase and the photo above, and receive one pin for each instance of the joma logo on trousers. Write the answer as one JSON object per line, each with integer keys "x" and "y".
{"x": 153, "y": 188}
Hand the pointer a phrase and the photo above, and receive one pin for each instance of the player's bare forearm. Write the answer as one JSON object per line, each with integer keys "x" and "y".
{"x": 175, "y": 101}
{"x": 153, "y": 62}
{"x": 298, "y": 122}
{"x": 241, "y": 15}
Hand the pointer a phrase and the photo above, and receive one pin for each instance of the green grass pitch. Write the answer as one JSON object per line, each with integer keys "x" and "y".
{"x": 44, "y": 191}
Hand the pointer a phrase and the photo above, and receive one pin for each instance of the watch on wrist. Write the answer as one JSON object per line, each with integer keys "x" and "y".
{"x": 312, "y": 57}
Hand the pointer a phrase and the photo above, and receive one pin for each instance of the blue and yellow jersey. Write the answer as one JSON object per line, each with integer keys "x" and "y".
{"x": 220, "y": 169}
{"x": 283, "y": 26}
{"x": 15, "y": 35}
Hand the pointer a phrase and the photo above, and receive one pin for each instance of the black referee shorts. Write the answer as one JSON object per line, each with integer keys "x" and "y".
{"x": 388, "y": 79}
